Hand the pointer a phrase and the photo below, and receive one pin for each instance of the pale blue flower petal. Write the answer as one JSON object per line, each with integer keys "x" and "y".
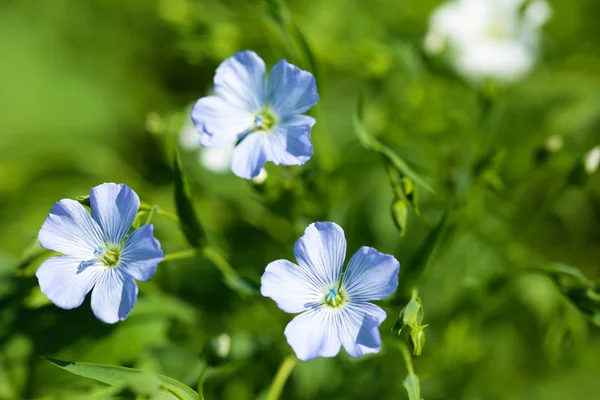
{"x": 359, "y": 328}
{"x": 291, "y": 90}
{"x": 240, "y": 81}
{"x": 249, "y": 156}
{"x": 114, "y": 295}
{"x": 298, "y": 120}
{"x": 371, "y": 275}
{"x": 114, "y": 208}
{"x": 220, "y": 123}
{"x": 293, "y": 287}
{"x": 322, "y": 250}
{"x": 69, "y": 229}
{"x": 66, "y": 280}
{"x": 141, "y": 253}
{"x": 289, "y": 145}
{"x": 314, "y": 333}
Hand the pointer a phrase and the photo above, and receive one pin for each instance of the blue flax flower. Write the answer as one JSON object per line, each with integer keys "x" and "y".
{"x": 97, "y": 252}
{"x": 335, "y": 310}
{"x": 266, "y": 117}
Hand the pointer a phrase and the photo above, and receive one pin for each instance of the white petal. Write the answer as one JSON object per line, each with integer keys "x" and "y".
{"x": 371, "y": 275}
{"x": 359, "y": 328}
{"x": 322, "y": 250}
{"x": 114, "y": 295}
{"x": 314, "y": 333}
{"x": 249, "y": 156}
{"x": 70, "y": 229}
{"x": 240, "y": 81}
{"x": 291, "y": 90}
{"x": 220, "y": 123}
{"x": 142, "y": 253}
{"x": 67, "y": 280}
{"x": 293, "y": 287}
{"x": 114, "y": 208}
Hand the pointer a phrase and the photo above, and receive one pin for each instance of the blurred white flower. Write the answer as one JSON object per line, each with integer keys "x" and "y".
{"x": 592, "y": 160}
{"x": 554, "y": 143}
{"x": 488, "y": 38}
{"x": 215, "y": 159}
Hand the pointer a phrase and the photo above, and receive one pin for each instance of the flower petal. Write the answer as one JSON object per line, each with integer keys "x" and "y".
{"x": 290, "y": 145}
{"x": 371, "y": 275}
{"x": 70, "y": 229}
{"x": 142, "y": 253}
{"x": 293, "y": 287}
{"x": 240, "y": 81}
{"x": 66, "y": 280}
{"x": 249, "y": 156}
{"x": 321, "y": 251}
{"x": 314, "y": 333}
{"x": 114, "y": 295}
{"x": 114, "y": 208}
{"x": 359, "y": 328}
{"x": 220, "y": 123}
{"x": 291, "y": 90}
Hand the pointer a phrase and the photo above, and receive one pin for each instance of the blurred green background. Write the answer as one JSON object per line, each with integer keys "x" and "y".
{"x": 98, "y": 91}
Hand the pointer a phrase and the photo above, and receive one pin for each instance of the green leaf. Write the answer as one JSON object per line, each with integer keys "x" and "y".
{"x": 416, "y": 266}
{"x": 372, "y": 143}
{"x": 128, "y": 377}
{"x": 411, "y": 383}
{"x": 404, "y": 168}
{"x": 188, "y": 220}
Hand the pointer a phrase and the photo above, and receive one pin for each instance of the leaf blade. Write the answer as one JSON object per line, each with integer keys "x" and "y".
{"x": 188, "y": 219}
{"x": 118, "y": 376}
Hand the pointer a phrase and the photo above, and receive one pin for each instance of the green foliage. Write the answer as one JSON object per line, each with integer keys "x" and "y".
{"x": 190, "y": 225}
{"x": 99, "y": 91}
{"x": 142, "y": 383}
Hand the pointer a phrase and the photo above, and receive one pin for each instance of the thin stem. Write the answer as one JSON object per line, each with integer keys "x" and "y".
{"x": 159, "y": 211}
{"x": 284, "y": 371}
{"x": 201, "y": 379}
{"x": 180, "y": 255}
{"x": 151, "y": 213}
{"x": 167, "y": 214}
{"x": 406, "y": 355}
{"x": 220, "y": 262}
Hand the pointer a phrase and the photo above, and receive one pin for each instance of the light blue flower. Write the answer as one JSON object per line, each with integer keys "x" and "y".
{"x": 98, "y": 254}
{"x": 335, "y": 310}
{"x": 266, "y": 117}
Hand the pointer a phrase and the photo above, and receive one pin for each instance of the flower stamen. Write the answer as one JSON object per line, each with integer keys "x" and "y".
{"x": 334, "y": 298}
{"x": 265, "y": 120}
{"x": 109, "y": 256}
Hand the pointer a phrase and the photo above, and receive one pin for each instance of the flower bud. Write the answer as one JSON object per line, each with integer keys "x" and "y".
{"x": 217, "y": 350}
{"x": 417, "y": 339}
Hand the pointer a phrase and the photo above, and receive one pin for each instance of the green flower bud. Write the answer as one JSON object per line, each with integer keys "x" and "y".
{"x": 417, "y": 339}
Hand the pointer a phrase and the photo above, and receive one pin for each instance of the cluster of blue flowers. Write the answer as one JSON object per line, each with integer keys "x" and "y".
{"x": 266, "y": 118}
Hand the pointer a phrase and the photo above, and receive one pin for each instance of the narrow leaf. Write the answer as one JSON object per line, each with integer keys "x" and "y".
{"x": 411, "y": 383}
{"x": 421, "y": 258}
{"x": 188, "y": 220}
{"x": 124, "y": 377}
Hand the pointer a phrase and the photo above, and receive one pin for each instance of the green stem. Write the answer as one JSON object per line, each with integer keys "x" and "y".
{"x": 151, "y": 213}
{"x": 180, "y": 255}
{"x": 406, "y": 355}
{"x": 220, "y": 262}
{"x": 159, "y": 211}
{"x": 284, "y": 371}
{"x": 201, "y": 379}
